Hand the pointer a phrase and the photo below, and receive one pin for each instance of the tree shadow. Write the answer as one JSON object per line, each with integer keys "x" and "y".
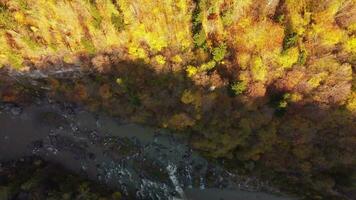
{"x": 303, "y": 147}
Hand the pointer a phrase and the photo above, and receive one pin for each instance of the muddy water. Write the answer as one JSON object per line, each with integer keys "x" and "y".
{"x": 142, "y": 162}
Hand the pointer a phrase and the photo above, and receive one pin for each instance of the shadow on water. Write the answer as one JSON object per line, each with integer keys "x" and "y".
{"x": 303, "y": 147}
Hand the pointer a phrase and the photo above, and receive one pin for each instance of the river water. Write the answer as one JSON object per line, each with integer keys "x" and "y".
{"x": 142, "y": 162}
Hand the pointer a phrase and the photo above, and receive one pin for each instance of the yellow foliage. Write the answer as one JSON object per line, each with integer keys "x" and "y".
{"x": 243, "y": 60}
{"x": 19, "y": 17}
{"x": 350, "y": 45}
{"x": 352, "y": 27}
{"x": 137, "y": 52}
{"x": 177, "y": 59}
{"x": 315, "y": 80}
{"x": 245, "y": 22}
{"x": 263, "y": 36}
{"x": 298, "y": 15}
{"x": 158, "y": 26}
{"x": 328, "y": 35}
{"x": 328, "y": 11}
{"x": 259, "y": 70}
{"x": 207, "y": 66}
{"x": 60, "y": 26}
{"x": 160, "y": 59}
{"x": 295, "y": 97}
{"x": 191, "y": 70}
{"x": 351, "y": 103}
{"x": 289, "y": 57}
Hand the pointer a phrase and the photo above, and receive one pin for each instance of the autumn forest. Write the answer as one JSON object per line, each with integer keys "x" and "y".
{"x": 266, "y": 87}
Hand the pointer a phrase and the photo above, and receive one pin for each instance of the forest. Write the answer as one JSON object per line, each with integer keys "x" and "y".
{"x": 265, "y": 86}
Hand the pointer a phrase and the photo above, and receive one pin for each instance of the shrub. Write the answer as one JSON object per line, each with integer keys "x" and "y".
{"x": 239, "y": 87}
{"x": 137, "y": 52}
{"x": 118, "y": 21}
{"x": 228, "y": 17}
{"x": 199, "y": 33}
{"x": 187, "y": 97}
{"x": 160, "y": 59}
{"x": 290, "y": 40}
{"x": 219, "y": 52}
{"x": 96, "y": 17}
{"x": 191, "y": 71}
{"x": 200, "y": 39}
{"x": 88, "y": 45}
{"x": 302, "y": 59}
{"x": 177, "y": 59}
{"x": 207, "y": 66}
